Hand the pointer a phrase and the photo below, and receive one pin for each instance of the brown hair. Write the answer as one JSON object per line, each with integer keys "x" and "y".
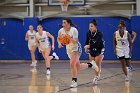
{"x": 122, "y": 22}
{"x": 94, "y": 22}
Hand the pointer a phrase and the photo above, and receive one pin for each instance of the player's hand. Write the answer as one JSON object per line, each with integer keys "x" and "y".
{"x": 132, "y": 40}
{"x": 26, "y": 39}
{"x": 53, "y": 47}
{"x": 86, "y": 50}
{"x": 87, "y": 46}
{"x": 60, "y": 45}
{"x": 39, "y": 50}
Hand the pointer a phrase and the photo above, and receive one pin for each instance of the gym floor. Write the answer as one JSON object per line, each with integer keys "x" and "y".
{"x": 21, "y": 78}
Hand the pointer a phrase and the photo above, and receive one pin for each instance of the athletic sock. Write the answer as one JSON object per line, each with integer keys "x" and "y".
{"x": 74, "y": 79}
{"x": 89, "y": 65}
{"x": 48, "y": 68}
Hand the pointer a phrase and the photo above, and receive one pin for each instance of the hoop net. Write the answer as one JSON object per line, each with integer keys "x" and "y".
{"x": 64, "y": 5}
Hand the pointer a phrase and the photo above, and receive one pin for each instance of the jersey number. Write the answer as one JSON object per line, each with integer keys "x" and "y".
{"x": 123, "y": 43}
{"x": 32, "y": 37}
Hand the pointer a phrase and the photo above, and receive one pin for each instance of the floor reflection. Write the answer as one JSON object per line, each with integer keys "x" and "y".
{"x": 96, "y": 89}
{"x": 126, "y": 87}
{"x": 47, "y": 88}
{"x": 33, "y": 88}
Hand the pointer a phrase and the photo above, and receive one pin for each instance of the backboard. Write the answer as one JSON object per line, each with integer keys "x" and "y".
{"x": 72, "y": 2}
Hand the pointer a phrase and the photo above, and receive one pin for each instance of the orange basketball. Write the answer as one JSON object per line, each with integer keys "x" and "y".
{"x": 65, "y": 39}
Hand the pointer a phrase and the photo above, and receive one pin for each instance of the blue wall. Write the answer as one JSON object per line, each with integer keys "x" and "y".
{"x": 14, "y": 31}
{"x": 13, "y": 34}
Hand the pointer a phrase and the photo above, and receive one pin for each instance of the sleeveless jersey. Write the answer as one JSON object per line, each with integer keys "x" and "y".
{"x": 122, "y": 42}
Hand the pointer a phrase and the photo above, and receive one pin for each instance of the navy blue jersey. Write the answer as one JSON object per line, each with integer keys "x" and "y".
{"x": 95, "y": 40}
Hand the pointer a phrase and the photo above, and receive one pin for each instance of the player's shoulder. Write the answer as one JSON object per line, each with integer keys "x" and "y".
{"x": 28, "y": 31}
{"x": 36, "y": 33}
{"x": 61, "y": 30}
{"x": 44, "y": 32}
{"x": 99, "y": 33}
{"x": 126, "y": 31}
{"x": 116, "y": 31}
{"x": 74, "y": 28}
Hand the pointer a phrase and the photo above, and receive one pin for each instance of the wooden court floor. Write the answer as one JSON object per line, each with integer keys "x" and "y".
{"x": 19, "y": 77}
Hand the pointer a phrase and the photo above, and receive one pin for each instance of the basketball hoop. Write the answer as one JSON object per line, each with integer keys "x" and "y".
{"x": 64, "y": 5}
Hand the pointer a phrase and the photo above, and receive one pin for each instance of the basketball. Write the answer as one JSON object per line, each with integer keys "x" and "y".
{"x": 65, "y": 39}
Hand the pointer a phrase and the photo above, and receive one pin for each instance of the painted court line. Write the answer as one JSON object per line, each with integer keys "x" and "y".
{"x": 98, "y": 80}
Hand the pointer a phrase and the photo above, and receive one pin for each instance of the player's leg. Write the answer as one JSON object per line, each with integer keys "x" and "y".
{"x": 48, "y": 59}
{"x": 121, "y": 56}
{"x": 32, "y": 52}
{"x": 123, "y": 64}
{"x": 73, "y": 58}
{"x": 98, "y": 60}
{"x": 82, "y": 66}
{"x": 128, "y": 58}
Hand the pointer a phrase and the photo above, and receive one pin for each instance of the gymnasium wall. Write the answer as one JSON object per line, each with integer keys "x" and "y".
{"x": 14, "y": 46}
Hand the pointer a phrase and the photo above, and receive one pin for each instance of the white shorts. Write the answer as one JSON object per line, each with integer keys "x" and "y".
{"x": 74, "y": 49}
{"x": 124, "y": 52}
{"x": 31, "y": 45}
{"x": 42, "y": 48}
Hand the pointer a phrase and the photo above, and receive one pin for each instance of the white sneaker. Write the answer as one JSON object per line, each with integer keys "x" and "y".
{"x": 94, "y": 66}
{"x": 48, "y": 72}
{"x": 131, "y": 68}
{"x": 95, "y": 80}
{"x": 127, "y": 78}
{"x": 56, "y": 57}
{"x": 128, "y": 70}
{"x": 34, "y": 64}
{"x": 73, "y": 84}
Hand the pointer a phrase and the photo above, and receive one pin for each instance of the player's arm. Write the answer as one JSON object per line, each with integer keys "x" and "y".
{"x": 26, "y": 37}
{"x": 134, "y": 36}
{"x": 114, "y": 42}
{"x": 58, "y": 38}
{"x": 87, "y": 43}
{"x": 74, "y": 40}
{"x": 130, "y": 42}
{"x": 52, "y": 37}
{"x": 100, "y": 37}
{"x": 37, "y": 42}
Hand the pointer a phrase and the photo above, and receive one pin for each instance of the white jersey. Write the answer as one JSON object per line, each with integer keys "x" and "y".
{"x": 122, "y": 42}
{"x": 43, "y": 40}
{"x": 73, "y": 34}
{"x": 71, "y": 47}
{"x": 31, "y": 35}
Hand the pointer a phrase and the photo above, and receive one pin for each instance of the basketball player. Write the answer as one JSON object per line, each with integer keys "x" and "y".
{"x": 43, "y": 43}
{"x": 30, "y": 37}
{"x": 73, "y": 50}
{"x": 123, "y": 48}
{"x": 94, "y": 45}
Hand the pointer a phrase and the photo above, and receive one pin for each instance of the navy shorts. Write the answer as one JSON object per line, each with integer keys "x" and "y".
{"x": 95, "y": 52}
